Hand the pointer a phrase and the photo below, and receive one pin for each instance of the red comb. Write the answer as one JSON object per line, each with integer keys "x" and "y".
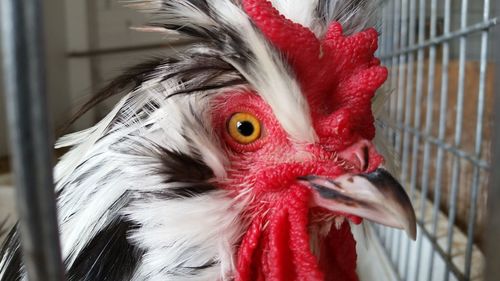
{"x": 297, "y": 42}
{"x": 338, "y": 66}
{"x": 338, "y": 74}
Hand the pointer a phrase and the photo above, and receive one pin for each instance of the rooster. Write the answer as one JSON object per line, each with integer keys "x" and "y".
{"x": 246, "y": 156}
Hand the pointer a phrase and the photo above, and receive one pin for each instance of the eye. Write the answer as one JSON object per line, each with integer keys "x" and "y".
{"x": 244, "y": 128}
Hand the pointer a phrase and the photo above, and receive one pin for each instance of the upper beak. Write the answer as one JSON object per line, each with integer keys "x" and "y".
{"x": 375, "y": 196}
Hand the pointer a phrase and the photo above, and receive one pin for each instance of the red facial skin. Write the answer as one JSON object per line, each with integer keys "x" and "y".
{"x": 339, "y": 76}
{"x": 276, "y": 244}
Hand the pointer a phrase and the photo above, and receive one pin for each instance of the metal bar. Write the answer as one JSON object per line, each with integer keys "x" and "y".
{"x": 396, "y": 8}
{"x": 447, "y": 37}
{"x": 403, "y": 42}
{"x": 395, "y": 60}
{"x": 416, "y": 121}
{"x": 383, "y": 41}
{"x": 447, "y": 258}
{"x": 393, "y": 266}
{"x": 385, "y": 48}
{"x": 408, "y": 98}
{"x": 443, "y": 146}
{"x": 452, "y": 212}
{"x": 442, "y": 128}
{"x": 391, "y": 42}
{"x": 428, "y": 122}
{"x": 478, "y": 142}
{"x": 29, "y": 137}
{"x": 408, "y": 95}
{"x": 408, "y": 107}
{"x": 493, "y": 224}
{"x": 401, "y": 73}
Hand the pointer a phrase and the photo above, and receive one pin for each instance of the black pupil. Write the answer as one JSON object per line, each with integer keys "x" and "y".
{"x": 245, "y": 128}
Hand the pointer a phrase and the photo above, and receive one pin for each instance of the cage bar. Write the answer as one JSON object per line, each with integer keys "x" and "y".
{"x": 458, "y": 134}
{"x": 442, "y": 131}
{"x": 428, "y": 121}
{"x": 478, "y": 141}
{"x": 29, "y": 138}
{"x": 493, "y": 224}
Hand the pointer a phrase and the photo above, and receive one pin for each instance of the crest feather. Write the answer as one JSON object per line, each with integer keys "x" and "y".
{"x": 317, "y": 15}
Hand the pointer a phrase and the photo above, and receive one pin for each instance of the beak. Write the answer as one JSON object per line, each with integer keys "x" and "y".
{"x": 375, "y": 196}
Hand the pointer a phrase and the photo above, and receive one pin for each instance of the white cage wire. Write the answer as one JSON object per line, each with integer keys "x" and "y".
{"x": 438, "y": 123}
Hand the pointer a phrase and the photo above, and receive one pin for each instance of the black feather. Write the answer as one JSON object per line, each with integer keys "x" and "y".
{"x": 129, "y": 80}
{"x": 108, "y": 257}
{"x": 10, "y": 252}
{"x": 180, "y": 167}
{"x": 183, "y": 192}
{"x": 194, "y": 270}
{"x": 190, "y": 172}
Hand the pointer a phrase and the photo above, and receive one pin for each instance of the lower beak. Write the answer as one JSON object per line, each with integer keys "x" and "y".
{"x": 375, "y": 196}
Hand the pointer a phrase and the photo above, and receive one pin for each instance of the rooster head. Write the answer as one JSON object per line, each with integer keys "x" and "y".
{"x": 241, "y": 156}
{"x": 304, "y": 181}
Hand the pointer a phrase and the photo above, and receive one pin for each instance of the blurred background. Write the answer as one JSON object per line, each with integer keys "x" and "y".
{"x": 87, "y": 43}
{"x": 437, "y": 120}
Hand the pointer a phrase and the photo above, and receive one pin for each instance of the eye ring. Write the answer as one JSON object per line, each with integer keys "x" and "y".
{"x": 244, "y": 128}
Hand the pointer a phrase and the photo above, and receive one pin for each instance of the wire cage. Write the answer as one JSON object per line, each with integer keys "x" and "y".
{"x": 438, "y": 120}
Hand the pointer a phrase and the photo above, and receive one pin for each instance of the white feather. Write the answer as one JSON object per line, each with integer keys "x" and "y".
{"x": 85, "y": 140}
{"x": 206, "y": 228}
{"x": 299, "y": 11}
{"x": 270, "y": 76}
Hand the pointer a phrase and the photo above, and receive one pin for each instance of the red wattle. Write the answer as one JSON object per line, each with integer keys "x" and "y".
{"x": 276, "y": 247}
{"x": 338, "y": 255}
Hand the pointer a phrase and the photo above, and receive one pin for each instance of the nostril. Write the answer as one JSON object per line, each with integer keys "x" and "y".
{"x": 363, "y": 155}
{"x": 366, "y": 153}
{"x": 359, "y": 155}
